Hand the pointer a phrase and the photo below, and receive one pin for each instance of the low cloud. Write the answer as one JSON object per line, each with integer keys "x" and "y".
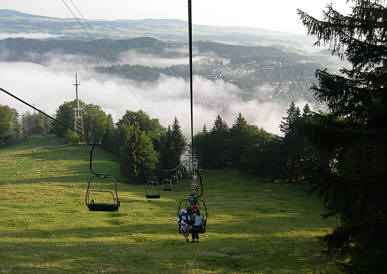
{"x": 49, "y": 85}
{"x": 133, "y": 57}
{"x": 36, "y": 35}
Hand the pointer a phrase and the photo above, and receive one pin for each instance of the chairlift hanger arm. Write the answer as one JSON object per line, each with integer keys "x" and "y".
{"x": 201, "y": 184}
{"x": 91, "y": 163}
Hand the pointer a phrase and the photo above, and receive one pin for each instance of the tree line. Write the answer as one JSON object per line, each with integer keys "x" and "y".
{"x": 144, "y": 145}
{"x": 141, "y": 143}
{"x": 253, "y": 150}
{"x": 14, "y": 127}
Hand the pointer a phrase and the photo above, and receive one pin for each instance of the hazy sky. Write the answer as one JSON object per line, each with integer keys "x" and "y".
{"x": 279, "y": 15}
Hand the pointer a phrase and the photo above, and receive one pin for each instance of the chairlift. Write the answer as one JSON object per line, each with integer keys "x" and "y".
{"x": 179, "y": 174}
{"x": 101, "y": 193}
{"x": 152, "y": 190}
{"x": 194, "y": 173}
{"x": 167, "y": 185}
{"x": 174, "y": 179}
{"x": 185, "y": 203}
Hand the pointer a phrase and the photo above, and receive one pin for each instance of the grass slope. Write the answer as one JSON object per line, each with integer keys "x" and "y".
{"x": 45, "y": 226}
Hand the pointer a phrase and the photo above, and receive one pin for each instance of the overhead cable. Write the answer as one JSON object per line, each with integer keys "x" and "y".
{"x": 102, "y": 49}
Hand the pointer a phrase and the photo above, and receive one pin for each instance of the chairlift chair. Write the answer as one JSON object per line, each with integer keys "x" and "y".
{"x": 200, "y": 204}
{"x": 174, "y": 179}
{"x": 152, "y": 190}
{"x": 109, "y": 198}
{"x": 167, "y": 185}
{"x": 102, "y": 190}
{"x": 179, "y": 174}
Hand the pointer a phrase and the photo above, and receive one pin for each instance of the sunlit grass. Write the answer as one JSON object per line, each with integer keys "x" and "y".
{"x": 45, "y": 227}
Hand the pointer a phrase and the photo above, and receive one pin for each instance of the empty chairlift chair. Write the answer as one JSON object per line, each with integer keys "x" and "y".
{"x": 152, "y": 190}
{"x": 167, "y": 185}
{"x": 101, "y": 193}
{"x": 174, "y": 179}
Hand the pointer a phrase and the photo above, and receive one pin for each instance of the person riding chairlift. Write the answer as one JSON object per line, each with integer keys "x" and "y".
{"x": 183, "y": 220}
{"x": 198, "y": 222}
{"x": 193, "y": 207}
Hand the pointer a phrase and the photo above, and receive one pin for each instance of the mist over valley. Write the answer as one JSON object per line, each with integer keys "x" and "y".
{"x": 152, "y": 74}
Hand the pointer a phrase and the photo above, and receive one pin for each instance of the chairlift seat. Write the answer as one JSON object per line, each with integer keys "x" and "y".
{"x": 150, "y": 196}
{"x": 167, "y": 185}
{"x": 102, "y": 207}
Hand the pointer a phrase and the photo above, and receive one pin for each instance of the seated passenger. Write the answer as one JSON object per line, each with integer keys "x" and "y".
{"x": 198, "y": 222}
{"x": 183, "y": 221}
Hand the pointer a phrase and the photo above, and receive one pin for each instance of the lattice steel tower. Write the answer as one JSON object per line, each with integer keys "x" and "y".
{"x": 78, "y": 112}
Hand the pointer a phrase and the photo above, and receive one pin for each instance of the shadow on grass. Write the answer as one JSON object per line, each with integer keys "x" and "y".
{"x": 271, "y": 225}
{"x": 72, "y": 179}
{"x": 139, "y": 254}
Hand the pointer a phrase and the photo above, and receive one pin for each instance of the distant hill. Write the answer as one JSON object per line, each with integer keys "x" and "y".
{"x": 164, "y": 29}
{"x": 18, "y": 15}
{"x": 246, "y": 57}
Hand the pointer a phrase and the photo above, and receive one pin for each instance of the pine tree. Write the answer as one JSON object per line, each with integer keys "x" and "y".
{"x": 239, "y": 134}
{"x": 202, "y": 147}
{"x": 138, "y": 158}
{"x": 178, "y": 142}
{"x": 293, "y": 143}
{"x": 218, "y": 143}
{"x": 353, "y": 133}
{"x": 173, "y": 146}
{"x": 293, "y": 114}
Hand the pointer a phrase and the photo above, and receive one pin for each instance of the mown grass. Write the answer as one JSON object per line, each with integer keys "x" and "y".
{"x": 45, "y": 227}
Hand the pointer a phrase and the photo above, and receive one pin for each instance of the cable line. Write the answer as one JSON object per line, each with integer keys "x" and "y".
{"x": 190, "y": 70}
{"x": 91, "y": 192}
{"x": 191, "y": 208}
{"x": 103, "y": 50}
{"x": 42, "y": 112}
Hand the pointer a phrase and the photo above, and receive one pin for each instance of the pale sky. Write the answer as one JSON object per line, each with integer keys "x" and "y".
{"x": 278, "y": 15}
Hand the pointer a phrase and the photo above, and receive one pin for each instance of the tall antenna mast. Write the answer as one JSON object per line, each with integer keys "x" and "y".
{"x": 78, "y": 119}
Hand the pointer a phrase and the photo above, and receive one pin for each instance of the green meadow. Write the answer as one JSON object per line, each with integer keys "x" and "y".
{"x": 45, "y": 227}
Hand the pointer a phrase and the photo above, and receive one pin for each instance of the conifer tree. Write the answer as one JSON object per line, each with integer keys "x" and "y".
{"x": 178, "y": 142}
{"x": 173, "y": 146}
{"x": 218, "y": 143}
{"x": 138, "y": 158}
{"x": 238, "y": 140}
{"x": 353, "y": 133}
{"x": 292, "y": 143}
{"x": 201, "y": 145}
{"x": 293, "y": 114}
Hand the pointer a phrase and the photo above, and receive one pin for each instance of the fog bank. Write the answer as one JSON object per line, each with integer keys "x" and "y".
{"x": 49, "y": 85}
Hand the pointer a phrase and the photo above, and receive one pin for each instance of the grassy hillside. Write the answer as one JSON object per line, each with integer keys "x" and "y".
{"x": 45, "y": 226}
